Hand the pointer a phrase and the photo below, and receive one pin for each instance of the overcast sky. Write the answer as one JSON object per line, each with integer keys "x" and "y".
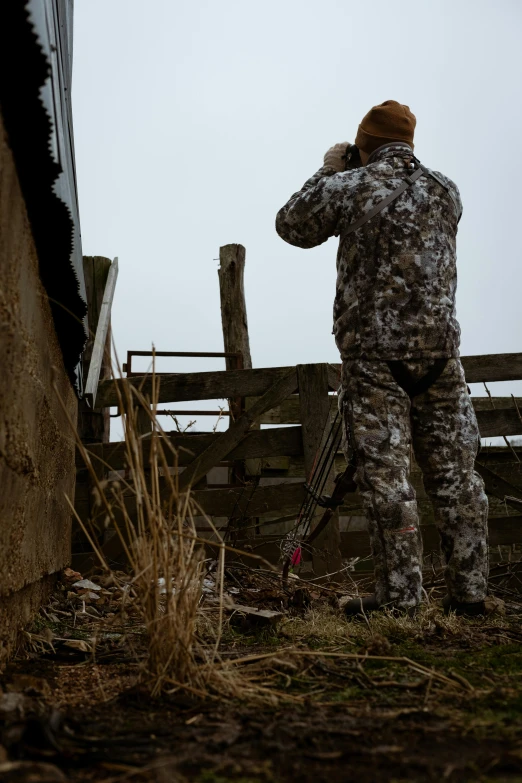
{"x": 195, "y": 121}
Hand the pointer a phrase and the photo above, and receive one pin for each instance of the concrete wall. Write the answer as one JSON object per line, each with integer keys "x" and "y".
{"x": 36, "y": 442}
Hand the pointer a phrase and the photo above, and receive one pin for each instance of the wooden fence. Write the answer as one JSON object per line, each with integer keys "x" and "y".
{"x": 302, "y": 396}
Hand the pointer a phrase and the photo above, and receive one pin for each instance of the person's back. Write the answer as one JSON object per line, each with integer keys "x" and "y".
{"x": 396, "y": 329}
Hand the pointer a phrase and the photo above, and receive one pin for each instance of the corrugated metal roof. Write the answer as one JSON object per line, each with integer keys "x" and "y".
{"x": 36, "y": 45}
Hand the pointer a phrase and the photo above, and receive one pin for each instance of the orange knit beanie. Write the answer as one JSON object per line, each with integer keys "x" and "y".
{"x": 384, "y": 124}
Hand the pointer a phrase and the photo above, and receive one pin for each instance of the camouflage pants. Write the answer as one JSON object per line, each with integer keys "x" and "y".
{"x": 381, "y": 425}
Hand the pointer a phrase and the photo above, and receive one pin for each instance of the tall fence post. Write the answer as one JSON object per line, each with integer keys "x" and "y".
{"x": 314, "y": 404}
{"x": 234, "y": 322}
{"x": 233, "y": 305}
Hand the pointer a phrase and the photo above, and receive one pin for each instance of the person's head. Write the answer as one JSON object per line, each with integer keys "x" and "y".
{"x": 385, "y": 124}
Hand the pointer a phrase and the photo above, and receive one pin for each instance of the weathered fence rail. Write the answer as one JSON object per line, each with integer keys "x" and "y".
{"x": 301, "y": 396}
{"x": 178, "y": 387}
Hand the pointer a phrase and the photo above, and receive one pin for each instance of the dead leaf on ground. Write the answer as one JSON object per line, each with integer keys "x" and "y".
{"x": 71, "y": 575}
{"x": 252, "y": 617}
{"x": 86, "y": 584}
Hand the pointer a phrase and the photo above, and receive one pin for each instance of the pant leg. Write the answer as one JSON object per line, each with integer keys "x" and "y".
{"x": 376, "y": 414}
{"x": 446, "y": 440}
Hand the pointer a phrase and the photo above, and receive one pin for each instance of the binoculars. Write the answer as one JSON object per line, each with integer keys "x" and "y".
{"x": 352, "y": 157}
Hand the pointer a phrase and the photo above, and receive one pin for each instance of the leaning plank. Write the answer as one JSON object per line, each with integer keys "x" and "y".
{"x": 237, "y": 431}
{"x": 95, "y": 366}
{"x": 275, "y": 442}
{"x": 176, "y": 387}
{"x": 94, "y": 426}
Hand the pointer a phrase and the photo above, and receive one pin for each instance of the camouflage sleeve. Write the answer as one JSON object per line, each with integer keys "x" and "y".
{"x": 454, "y": 193}
{"x": 458, "y": 201}
{"x": 312, "y": 214}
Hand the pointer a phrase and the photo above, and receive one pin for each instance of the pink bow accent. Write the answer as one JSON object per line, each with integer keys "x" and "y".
{"x": 296, "y": 557}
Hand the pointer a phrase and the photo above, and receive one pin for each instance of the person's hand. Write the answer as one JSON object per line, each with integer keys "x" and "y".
{"x": 335, "y": 158}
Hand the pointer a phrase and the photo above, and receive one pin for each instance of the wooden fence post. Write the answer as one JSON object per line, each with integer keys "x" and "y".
{"x": 233, "y": 305}
{"x": 234, "y": 322}
{"x": 314, "y": 403}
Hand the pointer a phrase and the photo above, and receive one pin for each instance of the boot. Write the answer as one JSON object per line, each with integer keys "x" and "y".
{"x": 358, "y": 607}
{"x": 477, "y": 609}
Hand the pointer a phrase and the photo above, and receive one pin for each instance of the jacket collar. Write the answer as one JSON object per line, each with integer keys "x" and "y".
{"x": 398, "y": 149}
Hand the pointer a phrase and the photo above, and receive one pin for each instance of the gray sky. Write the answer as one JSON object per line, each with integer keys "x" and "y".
{"x": 195, "y": 121}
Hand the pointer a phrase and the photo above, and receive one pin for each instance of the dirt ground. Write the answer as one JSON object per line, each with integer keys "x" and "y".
{"x": 390, "y": 699}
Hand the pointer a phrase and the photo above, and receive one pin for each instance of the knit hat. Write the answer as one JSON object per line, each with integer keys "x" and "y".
{"x": 385, "y": 124}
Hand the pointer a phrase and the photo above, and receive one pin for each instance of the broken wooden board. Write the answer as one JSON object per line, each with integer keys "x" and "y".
{"x": 252, "y": 618}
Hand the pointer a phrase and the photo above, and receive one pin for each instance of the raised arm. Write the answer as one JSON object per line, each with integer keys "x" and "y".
{"x": 312, "y": 214}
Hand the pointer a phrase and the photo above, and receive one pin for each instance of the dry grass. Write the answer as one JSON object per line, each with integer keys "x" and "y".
{"x": 155, "y": 524}
{"x": 328, "y": 627}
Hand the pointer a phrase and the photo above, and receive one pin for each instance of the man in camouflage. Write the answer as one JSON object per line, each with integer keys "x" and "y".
{"x": 402, "y": 383}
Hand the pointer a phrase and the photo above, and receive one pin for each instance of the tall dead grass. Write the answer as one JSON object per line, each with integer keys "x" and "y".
{"x": 155, "y": 524}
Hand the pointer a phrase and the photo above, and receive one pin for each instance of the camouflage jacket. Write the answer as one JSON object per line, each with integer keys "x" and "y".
{"x": 396, "y": 275}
